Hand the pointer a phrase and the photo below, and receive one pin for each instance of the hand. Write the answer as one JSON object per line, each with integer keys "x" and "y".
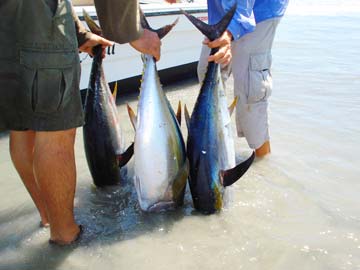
{"x": 94, "y": 40}
{"x": 223, "y": 56}
{"x": 148, "y": 43}
{"x": 171, "y": 1}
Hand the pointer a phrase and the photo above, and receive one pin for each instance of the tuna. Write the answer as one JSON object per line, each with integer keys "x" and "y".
{"x": 103, "y": 139}
{"x": 210, "y": 145}
{"x": 160, "y": 163}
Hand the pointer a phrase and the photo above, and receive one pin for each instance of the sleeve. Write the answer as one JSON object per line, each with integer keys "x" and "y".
{"x": 82, "y": 34}
{"x": 243, "y": 21}
{"x": 119, "y": 19}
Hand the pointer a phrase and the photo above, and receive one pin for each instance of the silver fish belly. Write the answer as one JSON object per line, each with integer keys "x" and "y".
{"x": 160, "y": 159}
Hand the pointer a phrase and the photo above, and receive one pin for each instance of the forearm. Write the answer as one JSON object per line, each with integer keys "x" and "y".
{"x": 243, "y": 21}
{"x": 119, "y": 19}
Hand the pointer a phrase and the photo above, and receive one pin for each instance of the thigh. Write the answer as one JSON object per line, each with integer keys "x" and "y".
{"x": 252, "y": 61}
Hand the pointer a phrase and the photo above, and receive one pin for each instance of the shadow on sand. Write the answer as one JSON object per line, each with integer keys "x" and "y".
{"x": 108, "y": 215}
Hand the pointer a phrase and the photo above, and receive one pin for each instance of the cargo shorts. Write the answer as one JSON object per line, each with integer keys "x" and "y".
{"x": 39, "y": 68}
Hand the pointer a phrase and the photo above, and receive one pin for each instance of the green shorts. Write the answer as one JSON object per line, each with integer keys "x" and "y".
{"x": 40, "y": 99}
{"x": 39, "y": 68}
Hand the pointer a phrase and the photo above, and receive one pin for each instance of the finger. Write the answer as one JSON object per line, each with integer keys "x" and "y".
{"x": 218, "y": 56}
{"x": 225, "y": 60}
{"x": 227, "y": 57}
{"x": 217, "y": 43}
{"x": 211, "y": 58}
{"x": 157, "y": 55}
{"x": 85, "y": 49}
{"x": 105, "y": 42}
{"x": 206, "y": 41}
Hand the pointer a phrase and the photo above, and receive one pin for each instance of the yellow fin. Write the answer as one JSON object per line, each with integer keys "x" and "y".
{"x": 233, "y": 105}
{"x": 178, "y": 113}
{"x": 114, "y": 93}
{"x": 187, "y": 117}
{"x": 132, "y": 116}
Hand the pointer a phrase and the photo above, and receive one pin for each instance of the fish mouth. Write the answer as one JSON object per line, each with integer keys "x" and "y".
{"x": 161, "y": 206}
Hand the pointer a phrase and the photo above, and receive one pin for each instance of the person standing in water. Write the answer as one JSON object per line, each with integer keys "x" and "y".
{"x": 245, "y": 51}
{"x": 40, "y": 99}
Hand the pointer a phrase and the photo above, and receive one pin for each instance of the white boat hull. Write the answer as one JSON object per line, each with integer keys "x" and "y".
{"x": 182, "y": 46}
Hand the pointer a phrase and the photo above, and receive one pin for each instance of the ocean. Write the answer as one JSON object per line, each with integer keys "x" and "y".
{"x": 298, "y": 208}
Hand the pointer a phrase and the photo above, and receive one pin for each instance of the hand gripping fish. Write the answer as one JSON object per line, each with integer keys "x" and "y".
{"x": 210, "y": 145}
{"x": 161, "y": 167}
{"x": 103, "y": 139}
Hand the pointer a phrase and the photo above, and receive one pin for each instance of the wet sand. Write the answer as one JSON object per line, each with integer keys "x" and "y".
{"x": 296, "y": 209}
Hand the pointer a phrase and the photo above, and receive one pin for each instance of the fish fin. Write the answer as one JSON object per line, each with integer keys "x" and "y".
{"x": 132, "y": 116}
{"x": 179, "y": 184}
{"x": 125, "y": 157}
{"x": 144, "y": 22}
{"x": 214, "y": 31}
{"x": 187, "y": 117}
{"x": 161, "y": 32}
{"x": 178, "y": 113}
{"x": 94, "y": 28}
{"x": 143, "y": 59}
{"x": 230, "y": 176}
{"x": 115, "y": 90}
{"x": 233, "y": 105}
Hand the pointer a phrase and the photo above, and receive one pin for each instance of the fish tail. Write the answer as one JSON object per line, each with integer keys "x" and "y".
{"x": 94, "y": 28}
{"x": 214, "y": 31}
{"x": 161, "y": 32}
{"x": 230, "y": 176}
{"x": 126, "y": 156}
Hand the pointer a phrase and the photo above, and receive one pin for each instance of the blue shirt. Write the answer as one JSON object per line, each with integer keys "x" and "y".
{"x": 248, "y": 13}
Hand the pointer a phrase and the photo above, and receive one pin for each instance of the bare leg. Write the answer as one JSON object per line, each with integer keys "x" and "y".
{"x": 54, "y": 167}
{"x": 22, "y": 155}
{"x": 263, "y": 150}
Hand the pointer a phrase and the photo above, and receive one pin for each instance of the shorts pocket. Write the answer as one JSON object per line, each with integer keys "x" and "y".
{"x": 260, "y": 79}
{"x": 46, "y": 79}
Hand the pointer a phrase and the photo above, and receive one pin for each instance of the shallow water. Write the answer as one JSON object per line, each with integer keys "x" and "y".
{"x": 299, "y": 208}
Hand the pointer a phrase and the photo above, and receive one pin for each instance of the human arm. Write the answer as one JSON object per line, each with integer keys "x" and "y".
{"x": 92, "y": 41}
{"x": 86, "y": 39}
{"x": 124, "y": 26}
{"x": 119, "y": 19}
{"x": 243, "y": 22}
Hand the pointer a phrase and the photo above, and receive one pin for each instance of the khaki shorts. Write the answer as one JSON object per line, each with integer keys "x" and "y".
{"x": 250, "y": 67}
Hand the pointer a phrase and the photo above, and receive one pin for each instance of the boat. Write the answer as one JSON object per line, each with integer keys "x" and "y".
{"x": 180, "y": 50}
